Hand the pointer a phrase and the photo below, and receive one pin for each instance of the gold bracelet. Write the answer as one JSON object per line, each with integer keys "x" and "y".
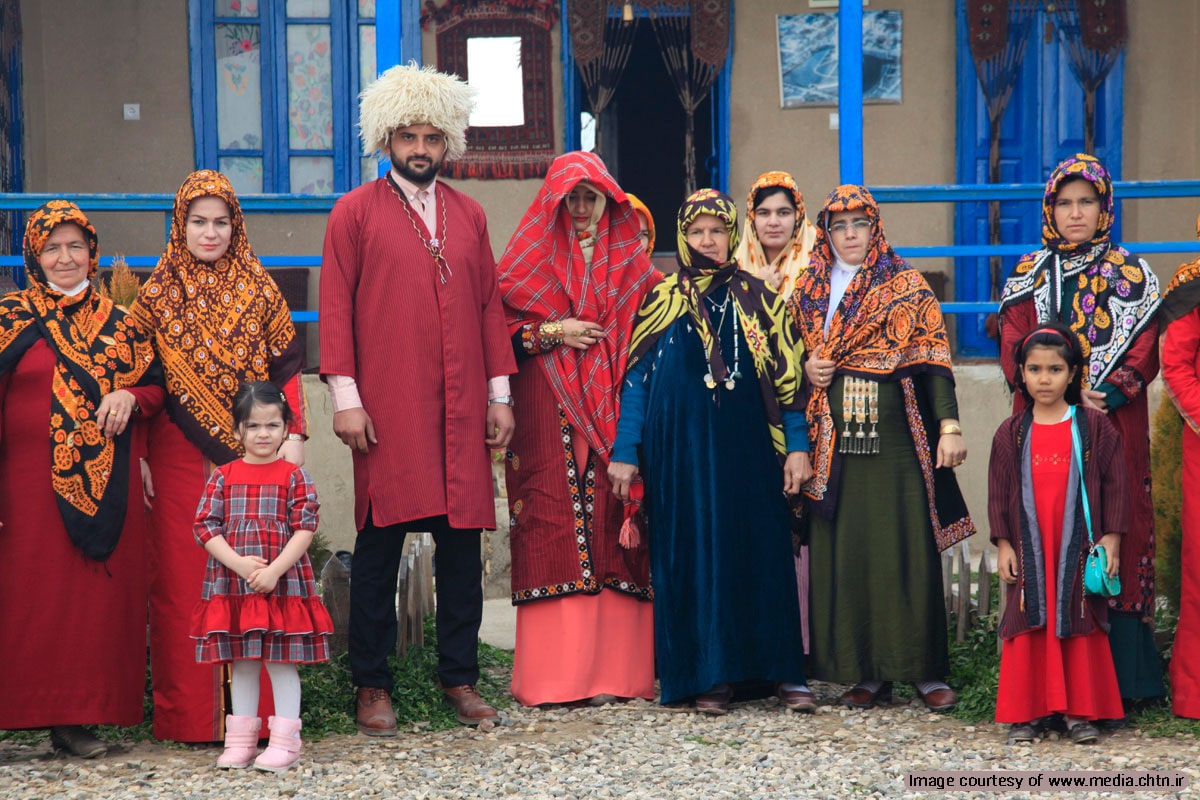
{"x": 947, "y": 430}
{"x": 551, "y": 333}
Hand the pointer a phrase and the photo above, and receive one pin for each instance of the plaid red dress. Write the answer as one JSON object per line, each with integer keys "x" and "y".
{"x": 256, "y": 507}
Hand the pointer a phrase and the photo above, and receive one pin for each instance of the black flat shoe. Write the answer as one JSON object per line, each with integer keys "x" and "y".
{"x": 77, "y": 740}
{"x": 1022, "y": 733}
{"x": 1084, "y": 733}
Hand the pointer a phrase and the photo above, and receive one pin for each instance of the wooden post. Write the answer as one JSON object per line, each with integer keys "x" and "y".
{"x": 964, "y": 593}
{"x": 402, "y": 586}
{"x": 985, "y": 584}
{"x": 948, "y": 582}
{"x": 335, "y": 591}
{"x": 416, "y": 620}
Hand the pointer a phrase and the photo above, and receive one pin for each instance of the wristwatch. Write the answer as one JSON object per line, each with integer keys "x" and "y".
{"x": 504, "y": 398}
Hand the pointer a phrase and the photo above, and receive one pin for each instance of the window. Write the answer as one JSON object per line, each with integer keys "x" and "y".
{"x": 274, "y": 84}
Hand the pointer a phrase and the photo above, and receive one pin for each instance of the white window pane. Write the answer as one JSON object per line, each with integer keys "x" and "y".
{"x": 366, "y": 56}
{"x": 494, "y": 69}
{"x": 370, "y": 169}
{"x": 366, "y": 8}
{"x": 308, "y": 8}
{"x": 236, "y": 8}
{"x": 311, "y": 174}
{"x": 239, "y": 87}
{"x": 310, "y": 88}
{"x": 246, "y": 174}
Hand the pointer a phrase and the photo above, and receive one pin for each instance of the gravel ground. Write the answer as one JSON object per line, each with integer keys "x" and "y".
{"x": 636, "y": 750}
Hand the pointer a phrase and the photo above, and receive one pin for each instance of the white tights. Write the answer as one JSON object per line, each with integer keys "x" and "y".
{"x": 285, "y": 685}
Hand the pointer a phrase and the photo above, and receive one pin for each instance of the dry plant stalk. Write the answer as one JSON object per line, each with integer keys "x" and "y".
{"x": 122, "y": 286}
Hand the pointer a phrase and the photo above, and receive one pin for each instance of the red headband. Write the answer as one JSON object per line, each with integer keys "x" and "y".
{"x": 1052, "y": 331}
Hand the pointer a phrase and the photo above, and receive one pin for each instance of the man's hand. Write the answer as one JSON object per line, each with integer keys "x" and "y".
{"x": 500, "y": 425}
{"x": 354, "y": 427}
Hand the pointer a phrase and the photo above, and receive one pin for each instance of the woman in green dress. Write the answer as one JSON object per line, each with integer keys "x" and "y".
{"x": 885, "y": 439}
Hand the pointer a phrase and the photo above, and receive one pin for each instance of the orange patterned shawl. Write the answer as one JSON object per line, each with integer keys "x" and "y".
{"x": 888, "y": 327}
{"x": 1183, "y": 292}
{"x": 215, "y": 325}
{"x": 97, "y": 353}
{"x": 793, "y": 259}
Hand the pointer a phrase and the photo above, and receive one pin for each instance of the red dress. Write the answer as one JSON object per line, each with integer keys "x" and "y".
{"x": 256, "y": 508}
{"x": 1181, "y": 374}
{"x": 72, "y": 630}
{"x": 1040, "y": 673}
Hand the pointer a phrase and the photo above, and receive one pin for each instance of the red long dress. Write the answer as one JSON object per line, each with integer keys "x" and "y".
{"x": 1040, "y": 673}
{"x": 1181, "y": 373}
{"x": 72, "y": 630}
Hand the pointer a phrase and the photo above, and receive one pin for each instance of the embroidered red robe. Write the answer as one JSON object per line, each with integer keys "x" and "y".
{"x": 420, "y": 350}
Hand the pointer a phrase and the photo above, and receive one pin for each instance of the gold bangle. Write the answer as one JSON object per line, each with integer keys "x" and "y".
{"x": 947, "y": 430}
{"x": 551, "y": 333}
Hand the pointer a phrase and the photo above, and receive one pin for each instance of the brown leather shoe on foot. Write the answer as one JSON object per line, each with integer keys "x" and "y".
{"x": 374, "y": 713}
{"x": 715, "y": 700}
{"x": 942, "y": 699}
{"x": 77, "y": 740}
{"x": 800, "y": 700}
{"x": 860, "y": 697}
{"x": 469, "y": 707}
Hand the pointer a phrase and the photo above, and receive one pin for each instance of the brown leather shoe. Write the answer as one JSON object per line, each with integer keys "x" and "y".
{"x": 374, "y": 714}
{"x": 942, "y": 699}
{"x": 860, "y": 697}
{"x": 77, "y": 740}
{"x": 469, "y": 707}
{"x": 801, "y": 700}
{"x": 715, "y": 700}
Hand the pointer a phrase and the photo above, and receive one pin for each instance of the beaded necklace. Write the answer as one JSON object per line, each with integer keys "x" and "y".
{"x": 435, "y": 246}
{"x": 730, "y": 376}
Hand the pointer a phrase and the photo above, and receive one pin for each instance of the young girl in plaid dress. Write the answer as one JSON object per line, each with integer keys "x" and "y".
{"x": 259, "y": 603}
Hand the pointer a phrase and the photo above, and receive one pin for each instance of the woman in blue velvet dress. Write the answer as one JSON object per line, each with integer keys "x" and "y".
{"x": 712, "y": 416}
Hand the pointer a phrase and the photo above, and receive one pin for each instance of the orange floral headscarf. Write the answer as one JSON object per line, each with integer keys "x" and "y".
{"x": 793, "y": 258}
{"x": 215, "y": 325}
{"x": 642, "y": 209}
{"x": 96, "y": 353}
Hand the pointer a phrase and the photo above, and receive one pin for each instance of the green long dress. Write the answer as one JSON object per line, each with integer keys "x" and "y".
{"x": 876, "y": 609}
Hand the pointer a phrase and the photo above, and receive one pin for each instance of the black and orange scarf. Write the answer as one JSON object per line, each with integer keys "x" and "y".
{"x": 97, "y": 353}
{"x": 1116, "y": 295}
{"x": 888, "y": 327}
{"x": 761, "y": 314}
{"x": 215, "y": 324}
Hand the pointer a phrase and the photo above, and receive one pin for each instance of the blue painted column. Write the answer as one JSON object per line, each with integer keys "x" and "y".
{"x": 388, "y": 33}
{"x": 850, "y": 94}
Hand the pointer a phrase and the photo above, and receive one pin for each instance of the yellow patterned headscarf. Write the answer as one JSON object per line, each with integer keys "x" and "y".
{"x": 642, "y": 209}
{"x": 215, "y": 325}
{"x": 96, "y": 353}
{"x": 793, "y": 258}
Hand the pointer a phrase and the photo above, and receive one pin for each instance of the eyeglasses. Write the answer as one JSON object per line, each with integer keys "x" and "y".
{"x": 842, "y": 227}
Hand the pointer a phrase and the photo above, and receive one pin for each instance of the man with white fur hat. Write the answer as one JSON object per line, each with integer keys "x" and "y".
{"x": 416, "y": 354}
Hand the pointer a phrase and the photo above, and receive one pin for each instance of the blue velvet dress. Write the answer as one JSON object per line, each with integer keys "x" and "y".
{"x": 726, "y": 609}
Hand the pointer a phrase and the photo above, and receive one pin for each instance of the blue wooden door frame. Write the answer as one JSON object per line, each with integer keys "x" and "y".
{"x": 716, "y": 163}
{"x": 1048, "y": 100}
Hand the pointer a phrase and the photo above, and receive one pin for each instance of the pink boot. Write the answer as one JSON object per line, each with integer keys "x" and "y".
{"x": 283, "y": 749}
{"x": 241, "y": 742}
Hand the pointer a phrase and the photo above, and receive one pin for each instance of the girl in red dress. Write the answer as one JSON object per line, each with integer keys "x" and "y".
{"x": 1055, "y": 659}
{"x": 259, "y": 601}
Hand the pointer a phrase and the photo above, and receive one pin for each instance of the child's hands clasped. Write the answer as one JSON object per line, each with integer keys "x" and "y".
{"x": 246, "y": 566}
{"x": 263, "y": 579}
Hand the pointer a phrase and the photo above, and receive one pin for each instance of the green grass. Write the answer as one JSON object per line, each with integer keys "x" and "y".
{"x": 328, "y": 696}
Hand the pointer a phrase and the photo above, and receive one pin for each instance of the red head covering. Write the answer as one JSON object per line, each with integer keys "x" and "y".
{"x": 544, "y": 276}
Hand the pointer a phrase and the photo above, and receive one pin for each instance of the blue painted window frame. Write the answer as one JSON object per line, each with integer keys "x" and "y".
{"x": 344, "y": 22}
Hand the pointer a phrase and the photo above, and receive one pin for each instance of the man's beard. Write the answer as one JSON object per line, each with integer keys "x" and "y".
{"x": 418, "y": 176}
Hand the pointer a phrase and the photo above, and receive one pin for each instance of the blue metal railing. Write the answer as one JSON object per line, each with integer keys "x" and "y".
{"x": 961, "y": 193}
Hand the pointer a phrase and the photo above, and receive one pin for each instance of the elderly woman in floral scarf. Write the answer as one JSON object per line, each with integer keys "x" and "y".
{"x": 711, "y": 416}
{"x": 74, "y": 376}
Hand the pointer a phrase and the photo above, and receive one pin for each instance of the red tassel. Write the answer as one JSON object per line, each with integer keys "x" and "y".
{"x": 631, "y": 528}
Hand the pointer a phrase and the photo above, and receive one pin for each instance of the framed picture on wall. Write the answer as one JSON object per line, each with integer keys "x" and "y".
{"x": 808, "y": 58}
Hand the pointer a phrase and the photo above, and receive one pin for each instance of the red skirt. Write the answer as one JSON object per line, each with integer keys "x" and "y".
{"x": 1041, "y": 674}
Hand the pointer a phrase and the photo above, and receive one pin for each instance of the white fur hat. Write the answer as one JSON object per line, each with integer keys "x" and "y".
{"x": 410, "y": 95}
